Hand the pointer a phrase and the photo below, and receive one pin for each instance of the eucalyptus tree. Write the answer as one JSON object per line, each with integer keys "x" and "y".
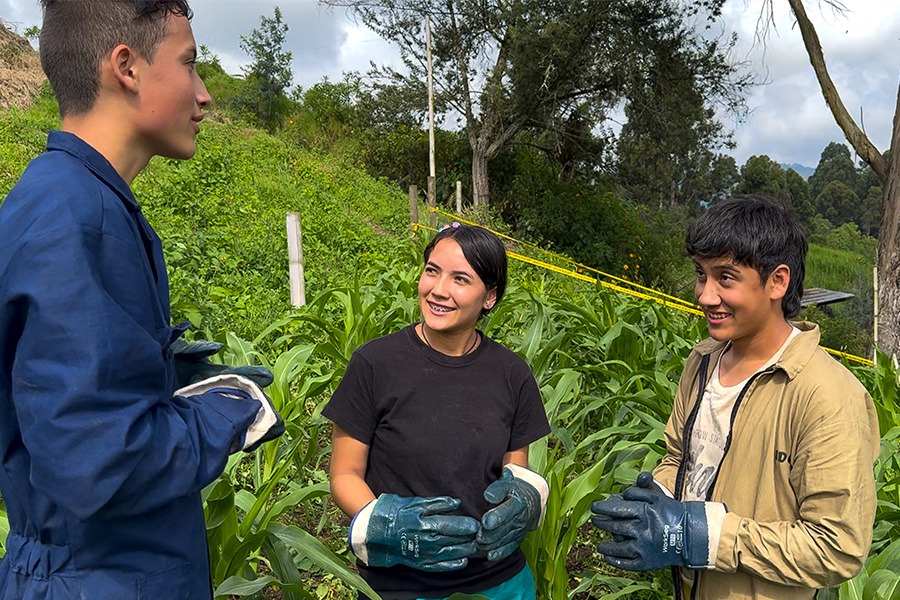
{"x": 835, "y": 164}
{"x": 885, "y": 165}
{"x": 670, "y": 148}
{"x": 762, "y": 175}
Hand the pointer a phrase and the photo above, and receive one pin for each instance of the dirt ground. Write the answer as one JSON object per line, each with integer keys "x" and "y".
{"x": 20, "y": 69}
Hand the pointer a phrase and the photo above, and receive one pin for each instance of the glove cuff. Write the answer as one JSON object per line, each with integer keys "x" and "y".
{"x": 356, "y": 535}
{"x": 266, "y": 417}
{"x": 715, "y": 520}
{"x": 703, "y": 527}
{"x": 534, "y": 480}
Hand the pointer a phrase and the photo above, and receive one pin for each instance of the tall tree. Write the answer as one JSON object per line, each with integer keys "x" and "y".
{"x": 762, "y": 175}
{"x": 667, "y": 147}
{"x": 838, "y": 203}
{"x": 798, "y": 191}
{"x": 835, "y": 164}
{"x": 269, "y": 75}
{"x": 504, "y": 66}
{"x": 887, "y": 170}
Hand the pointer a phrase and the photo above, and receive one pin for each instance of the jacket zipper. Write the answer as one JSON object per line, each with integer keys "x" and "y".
{"x": 686, "y": 442}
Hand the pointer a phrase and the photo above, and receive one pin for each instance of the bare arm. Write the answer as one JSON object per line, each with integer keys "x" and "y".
{"x": 349, "y": 458}
{"x": 517, "y": 457}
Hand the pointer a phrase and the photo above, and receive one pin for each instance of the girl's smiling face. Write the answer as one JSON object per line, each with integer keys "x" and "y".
{"x": 451, "y": 294}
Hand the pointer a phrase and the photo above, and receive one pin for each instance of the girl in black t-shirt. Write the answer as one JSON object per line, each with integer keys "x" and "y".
{"x": 431, "y": 432}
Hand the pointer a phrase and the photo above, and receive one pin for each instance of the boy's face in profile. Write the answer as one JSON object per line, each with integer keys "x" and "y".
{"x": 737, "y": 305}
{"x": 171, "y": 95}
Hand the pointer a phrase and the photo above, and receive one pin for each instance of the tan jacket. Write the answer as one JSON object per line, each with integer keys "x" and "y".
{"x": 797, "y": 477}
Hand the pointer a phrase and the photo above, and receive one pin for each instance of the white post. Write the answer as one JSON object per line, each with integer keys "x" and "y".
{"x": 295, "y": 257}
{"x": 458, "y": 196}
{"x": 875, "y": 310}
{"x": 431, "y": 166}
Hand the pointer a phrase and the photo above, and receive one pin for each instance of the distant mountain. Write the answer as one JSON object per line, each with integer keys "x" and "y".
{"x": 804, "y": 172}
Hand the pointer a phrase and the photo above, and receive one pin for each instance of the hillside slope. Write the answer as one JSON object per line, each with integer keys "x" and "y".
{"x": 222, "y": 217}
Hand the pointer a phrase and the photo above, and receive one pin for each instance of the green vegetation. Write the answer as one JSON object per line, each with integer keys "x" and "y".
{"x": 607, "y": 365}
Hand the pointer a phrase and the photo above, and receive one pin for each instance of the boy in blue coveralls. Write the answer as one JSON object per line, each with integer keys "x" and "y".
{"x": 101, "y": 460}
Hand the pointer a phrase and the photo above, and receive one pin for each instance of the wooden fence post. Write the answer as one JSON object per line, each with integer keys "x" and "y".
{"x": 432, "y": 193}
{"x": 295, "y": 258}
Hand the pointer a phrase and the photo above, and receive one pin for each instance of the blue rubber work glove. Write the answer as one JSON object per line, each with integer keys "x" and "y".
{"x": 192, "y": 364}
{"x": 520, "y": 496}
{"x": 652, "y": 531}
{"x": 645, "y": 480}
{"x": 413, "y": 531}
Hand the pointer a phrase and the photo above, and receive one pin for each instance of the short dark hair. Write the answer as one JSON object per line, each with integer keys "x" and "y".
{"x": 755, "y": 231}
{"x": 484, "y": 251}
{"x": 76, "y": 36}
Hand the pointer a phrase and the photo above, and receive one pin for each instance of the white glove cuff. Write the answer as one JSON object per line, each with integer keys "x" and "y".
{"x": 265, "y": 417}
{"x": 358, "y": 528}
{"x": 535, "y": 480}
{"x": 715, "y": 519}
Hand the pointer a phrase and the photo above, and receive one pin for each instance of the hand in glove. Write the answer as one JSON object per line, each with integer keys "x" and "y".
{"x": 645, "y": 480}
{"x": 268, "y": 424}
{"x": 414, "y": 531}
{"x": 652, "y": 530}
{"x": 192, "y": 364}
{"x": 521, "y": 496}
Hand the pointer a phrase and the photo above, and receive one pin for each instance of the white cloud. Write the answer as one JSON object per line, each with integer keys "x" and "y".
{"x": 789, "y": 121}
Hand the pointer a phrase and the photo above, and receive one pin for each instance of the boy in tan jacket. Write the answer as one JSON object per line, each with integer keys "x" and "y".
{"x": 767, "y": 487}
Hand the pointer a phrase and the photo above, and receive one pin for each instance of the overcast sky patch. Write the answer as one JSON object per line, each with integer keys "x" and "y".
{"x": 789, "y": 120}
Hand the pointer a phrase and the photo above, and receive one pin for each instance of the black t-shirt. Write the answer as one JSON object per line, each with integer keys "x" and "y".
{"x": 438, "y": 425}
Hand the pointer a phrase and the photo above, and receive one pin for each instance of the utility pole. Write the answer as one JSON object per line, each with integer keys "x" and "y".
{"x": 432, "y": 187}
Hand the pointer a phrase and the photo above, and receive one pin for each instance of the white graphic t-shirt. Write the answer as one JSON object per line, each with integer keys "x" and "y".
{"x": 712, "y": 427}
{"x": 707, "y": 443}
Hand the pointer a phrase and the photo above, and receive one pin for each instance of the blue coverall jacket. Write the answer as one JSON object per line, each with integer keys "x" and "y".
{"x": 101, "y": 464}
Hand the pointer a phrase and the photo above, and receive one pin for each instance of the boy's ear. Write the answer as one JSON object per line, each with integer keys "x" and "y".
{"x": 121, "y": 62}
{"x": 779, "y": 279}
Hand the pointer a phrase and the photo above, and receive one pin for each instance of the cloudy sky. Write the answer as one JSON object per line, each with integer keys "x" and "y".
{"x": 789, "y": 120}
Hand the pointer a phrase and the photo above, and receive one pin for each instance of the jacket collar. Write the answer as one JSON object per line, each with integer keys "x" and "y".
{"x": 795, "y": 357}
{"x": 76, "y": 147}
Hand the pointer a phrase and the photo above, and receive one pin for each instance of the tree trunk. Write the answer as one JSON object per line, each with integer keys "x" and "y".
{"x": 857, "y": 138}
{"x": 889, "y": 250}
{"x": 480, "y": 184}
{"x": 888, "y": 173}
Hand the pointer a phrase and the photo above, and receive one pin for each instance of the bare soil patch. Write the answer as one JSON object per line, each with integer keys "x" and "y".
{"x": 20, "y": 69}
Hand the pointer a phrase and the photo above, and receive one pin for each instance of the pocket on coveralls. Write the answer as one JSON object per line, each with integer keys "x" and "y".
{"x": 171, "y": 583}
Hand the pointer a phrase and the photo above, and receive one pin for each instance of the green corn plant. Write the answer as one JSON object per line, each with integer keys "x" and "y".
{"x": 381, "y": 299}
{"x": 244, "y": 526}
{"x": 879, "y": 580}
{"x": 4, "y": 528}
{"x": 883, "y": 381}
{"x": 578, "y": 474}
